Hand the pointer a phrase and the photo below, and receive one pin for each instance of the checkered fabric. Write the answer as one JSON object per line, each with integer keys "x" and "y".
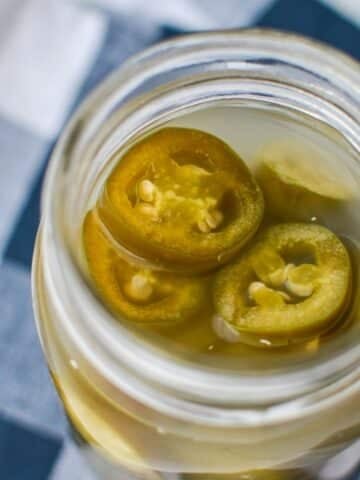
{"x": 52, "y": 53}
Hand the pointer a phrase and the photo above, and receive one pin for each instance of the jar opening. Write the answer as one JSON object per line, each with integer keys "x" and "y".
{"x": 254, "y": 70}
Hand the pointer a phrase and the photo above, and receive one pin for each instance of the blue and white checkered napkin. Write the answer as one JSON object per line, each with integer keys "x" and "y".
{"x": 52, "y": 53}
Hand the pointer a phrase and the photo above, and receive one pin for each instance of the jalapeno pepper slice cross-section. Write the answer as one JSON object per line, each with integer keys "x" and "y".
{"x": 294, "y": 283}
{"x": 298, "y": 182}
{"x": 182, "y": 197}
{"x": 141, "y": 295}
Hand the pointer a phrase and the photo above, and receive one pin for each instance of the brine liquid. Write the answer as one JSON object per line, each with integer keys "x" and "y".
{"x": 250, "y": 131}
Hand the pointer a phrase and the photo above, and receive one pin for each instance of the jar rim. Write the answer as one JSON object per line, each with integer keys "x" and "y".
{"x": 187, "y": 389}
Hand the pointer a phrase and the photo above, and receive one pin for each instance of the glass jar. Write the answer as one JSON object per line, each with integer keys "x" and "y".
{"x": 136, "y": 410}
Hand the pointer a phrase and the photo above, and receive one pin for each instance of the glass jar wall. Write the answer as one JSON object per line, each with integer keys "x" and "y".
{"x": 141, "y": 407}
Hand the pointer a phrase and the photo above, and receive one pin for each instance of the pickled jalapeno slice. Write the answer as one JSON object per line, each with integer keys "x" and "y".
{"x": 182, "y": 197}
{"x": 133, "y": 291}
{"x": 299, "y": 182}
{"x": 293, "y": 284}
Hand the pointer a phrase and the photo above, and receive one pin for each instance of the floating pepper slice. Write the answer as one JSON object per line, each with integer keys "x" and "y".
{"x": 133, "y": 291}
{"x": 293, "y": 284}
{"x": 298, "y": 182}
{"x": 183, "y": 198}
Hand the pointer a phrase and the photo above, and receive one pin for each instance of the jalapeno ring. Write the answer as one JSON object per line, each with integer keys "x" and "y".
{"x": 293, "y": 283}
{"x": 134, "y": 292}
{"x": 182, "y": 198}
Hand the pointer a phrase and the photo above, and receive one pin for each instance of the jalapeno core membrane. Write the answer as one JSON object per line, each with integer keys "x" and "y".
{"x": 228, "y": 236}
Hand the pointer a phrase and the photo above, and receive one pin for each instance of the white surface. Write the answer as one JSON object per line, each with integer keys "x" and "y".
{"x": 44, "y": 57}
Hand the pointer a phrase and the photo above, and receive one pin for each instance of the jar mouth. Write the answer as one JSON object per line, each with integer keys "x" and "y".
{"x": 319, "y": 81}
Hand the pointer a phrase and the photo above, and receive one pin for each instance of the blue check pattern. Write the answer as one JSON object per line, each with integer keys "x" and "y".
{"x": 34, "y": 443}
